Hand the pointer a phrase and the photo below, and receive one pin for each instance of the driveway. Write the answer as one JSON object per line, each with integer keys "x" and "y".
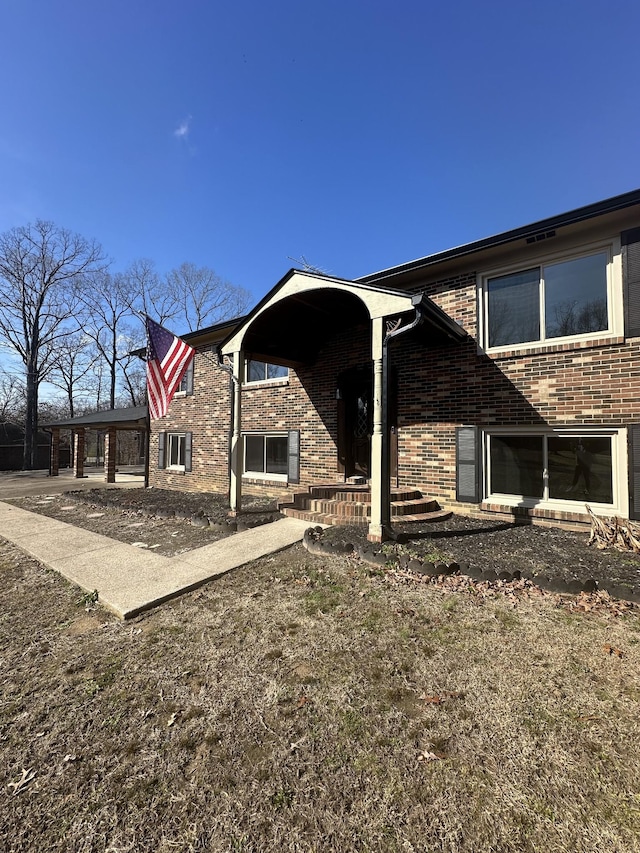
{"x": 18, "y": 484}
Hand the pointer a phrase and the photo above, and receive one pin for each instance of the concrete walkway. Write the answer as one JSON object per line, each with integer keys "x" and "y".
{"x": 128, "y": 579}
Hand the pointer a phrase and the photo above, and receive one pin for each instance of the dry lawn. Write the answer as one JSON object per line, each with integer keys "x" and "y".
{"x": 306, "y": 704}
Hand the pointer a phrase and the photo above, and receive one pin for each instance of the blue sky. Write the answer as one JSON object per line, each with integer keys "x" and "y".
{"x": 356, "y": 134}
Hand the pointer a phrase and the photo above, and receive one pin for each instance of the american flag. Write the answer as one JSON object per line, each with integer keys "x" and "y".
{"x": 167, "y": 359}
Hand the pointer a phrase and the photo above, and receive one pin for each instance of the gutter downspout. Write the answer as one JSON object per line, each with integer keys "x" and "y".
{"x": 233, "y": 380}
{"x": 416, "y": 301}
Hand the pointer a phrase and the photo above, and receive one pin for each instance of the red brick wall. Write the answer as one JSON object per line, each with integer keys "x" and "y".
{"x": 596, "y": 384}
{"x": 306, "y": 401}
{"x": 205, "y": 413}
{"x": 439, "y": 388}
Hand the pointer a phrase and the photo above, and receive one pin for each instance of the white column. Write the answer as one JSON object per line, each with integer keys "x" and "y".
{"x": 376, "y": 531}
{"x": 237, "y": 445}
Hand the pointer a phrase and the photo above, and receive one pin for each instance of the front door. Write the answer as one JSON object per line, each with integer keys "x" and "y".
{"x": 355, "y": 417}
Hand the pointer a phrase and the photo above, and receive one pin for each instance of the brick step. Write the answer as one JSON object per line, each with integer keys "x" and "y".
{"x": 356, "y": 494}
{"x": 344, "y": 504}
{"x": 346, "y": 520}
{"x": 354, "y": 510}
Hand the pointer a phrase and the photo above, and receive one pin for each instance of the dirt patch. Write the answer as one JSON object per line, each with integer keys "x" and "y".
{"x": 161, "y": 520}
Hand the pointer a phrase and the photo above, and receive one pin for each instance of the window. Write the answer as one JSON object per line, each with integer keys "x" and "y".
{"x": 273, "y": 456}
{"x": 266, "y": 455}
{"x": 186, "y": 383}
{"x": 260, "y": 371}
{"x": 558, "y": 299}
{"x": 562, "y": 466}
{"x": 174, "y": 450}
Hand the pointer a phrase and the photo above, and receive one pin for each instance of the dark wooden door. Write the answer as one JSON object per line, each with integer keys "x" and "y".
{"x": 355, "y": 421}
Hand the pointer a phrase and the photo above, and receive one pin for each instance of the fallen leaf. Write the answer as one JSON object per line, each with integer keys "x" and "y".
{"x": 296, "y": 744}
{"x": 426, "y": 755}
{"x": 432, "y": 700}
{"x": 27, "y": 776}
{"x": 611, "y": 650}
{"x": 69, "y": 757}
{"x": 302, "y": 701}
{"x": 172, "y": 719}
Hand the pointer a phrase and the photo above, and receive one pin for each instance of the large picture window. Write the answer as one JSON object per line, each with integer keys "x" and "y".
{"x": 553, "y": 467}
{"x": 554, "y": 300}
{"x": 266, "y": 455}
{"x": 260, "y": 371}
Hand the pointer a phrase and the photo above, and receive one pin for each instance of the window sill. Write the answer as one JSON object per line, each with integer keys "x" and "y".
{"x": 265, "y": 383}
{"x": 176, "y": 469}
{"x": 545, "y": 347}
{"x": 549, "y": 508}
{"x": 264, "y": 478}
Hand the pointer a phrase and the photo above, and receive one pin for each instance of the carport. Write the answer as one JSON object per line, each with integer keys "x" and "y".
{"x": 109, "y": 421}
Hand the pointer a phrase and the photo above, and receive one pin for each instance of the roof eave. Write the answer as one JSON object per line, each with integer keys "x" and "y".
{"x": 572, "y": 217}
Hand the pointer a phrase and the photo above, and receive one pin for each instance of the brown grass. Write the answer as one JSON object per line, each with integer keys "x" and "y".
{"x": 306, "y": 704}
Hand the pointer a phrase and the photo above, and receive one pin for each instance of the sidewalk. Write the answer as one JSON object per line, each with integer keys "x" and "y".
{"x": 130, "y": 580}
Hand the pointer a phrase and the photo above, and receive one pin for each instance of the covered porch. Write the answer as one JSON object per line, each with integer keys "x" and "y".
{"x": 291, "y": 326}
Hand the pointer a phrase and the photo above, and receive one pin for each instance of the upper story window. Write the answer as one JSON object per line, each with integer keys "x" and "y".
{"x": 562, "y": 298}
{"x": 260, "y": 371}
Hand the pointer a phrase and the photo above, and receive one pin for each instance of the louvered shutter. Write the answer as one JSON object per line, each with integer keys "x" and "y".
{"x": 467, "y": 465}
{"x": 161, "y": 445}
{"x": 293, "y": 467}
{"x": 633, "y": 432}
{"x": 631, "y": 276}
{"x": 188, "y": 437}
{"x": 188, "y": 376}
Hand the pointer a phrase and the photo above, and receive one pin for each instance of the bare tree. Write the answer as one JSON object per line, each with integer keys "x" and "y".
{"x": 109, "y": 305}
{"x": 11, "y": 399}
{"x": 149, "y": 294}
{"x": 202, "y": 298}
{"x": 72, "y": 365}
{"x": 39, "y": 265}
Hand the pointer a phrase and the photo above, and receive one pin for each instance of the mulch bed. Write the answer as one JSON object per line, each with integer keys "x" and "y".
{"x": 547, "y": 552}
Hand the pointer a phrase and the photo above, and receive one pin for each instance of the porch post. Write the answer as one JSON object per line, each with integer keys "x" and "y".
{"x": 376, "y": 526}
{"x": 110, "y": 444}
{"x": 237, "y": 448}
{"x": 78, "y": 452}
{"x": 54, "y": 468}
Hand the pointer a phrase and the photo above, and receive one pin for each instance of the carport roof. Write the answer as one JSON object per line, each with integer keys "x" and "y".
{"x": 132, "y": 418}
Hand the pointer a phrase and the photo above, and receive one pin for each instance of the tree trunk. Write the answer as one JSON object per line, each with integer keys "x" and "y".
{"x": 31, "y": 421}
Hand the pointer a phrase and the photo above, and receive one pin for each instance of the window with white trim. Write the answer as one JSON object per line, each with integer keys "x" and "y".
{"x": 562, "y": 297}
{"x": 266, "y": 455}
{"x": 176, "y": 451}
{"x": 566, "y": 465}
{"x": 261, "y": 371}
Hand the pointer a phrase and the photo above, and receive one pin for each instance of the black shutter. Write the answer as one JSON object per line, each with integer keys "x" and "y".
{"x": 631, "y": 278}
{"x": 188, "y": 436}
{"x": 634, "y": 471}
{"x": 467, "y": 465}
{"x": 293, "y": 468}
{"x": 189, "y": 378}
{"x": 161, "y": 443}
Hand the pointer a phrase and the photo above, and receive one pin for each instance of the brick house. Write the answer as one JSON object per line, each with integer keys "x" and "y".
{"x": 500, "y": 377}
